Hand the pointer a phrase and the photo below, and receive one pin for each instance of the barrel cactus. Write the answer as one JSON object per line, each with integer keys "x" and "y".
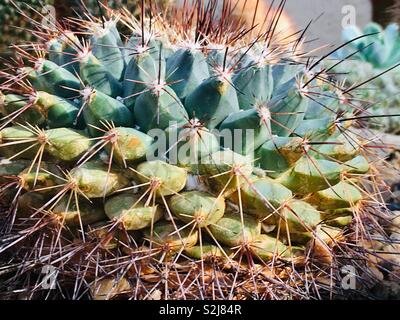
{"x": 374, "y": 52}
{"x": 189, "y": 159}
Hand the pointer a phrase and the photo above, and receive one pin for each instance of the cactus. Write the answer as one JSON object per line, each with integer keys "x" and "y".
{"x": 256, "y": 177}
{"x": 373, "y": 55}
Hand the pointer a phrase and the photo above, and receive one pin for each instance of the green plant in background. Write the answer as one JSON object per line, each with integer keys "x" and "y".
{"x": 377, "y": 52}
{"x": 13, "y": 27}
{"x": 83, "y": 122}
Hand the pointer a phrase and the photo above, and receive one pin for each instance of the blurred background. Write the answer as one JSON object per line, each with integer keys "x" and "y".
{"x": 329, "y": 14}
{"x": 329, "y": 26}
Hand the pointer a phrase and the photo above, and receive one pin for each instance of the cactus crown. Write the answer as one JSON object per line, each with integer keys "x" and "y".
{"x": 191, "y": 145}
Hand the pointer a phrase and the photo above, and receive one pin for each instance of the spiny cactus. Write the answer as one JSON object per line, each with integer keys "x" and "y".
{"x": 193, "y": 158}
{"x": 377, "y": 52}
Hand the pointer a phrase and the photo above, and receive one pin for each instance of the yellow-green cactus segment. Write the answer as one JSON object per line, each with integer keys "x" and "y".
{"x": 358, "y": 165}
{"x": 297, "y": 220}
{"x": 335, "y": 213}
{"x": 62, "y": 143}
{"x": 18, "y": 142}
{"x": 66, "y": 144}
{"x": 168, "y": 238}
{"x": 57, "y": 111}
{"x": 132, "y": 212}
{"x": 129, "y": 144}
{"x": 193, "y": 141}
{"x": 94, "y": 180}
{"x": 342, "y": 195}
{"x": 232, "y": 231}
{"x": 226, "y": 170}
{"x": 197, "y": 206}
{"x": 340, "y": 222}
{"x": 279, "y": 153}
{"x": 22, "y": 109}
{"x": 328, "y": 234}
{"x": 204, "y": 251}
{"x": 342, "y": 148}
{"x": 166, "y": 179}
{"x": 311, "y": 175}
{"x": 326, "y": 237}
{"x": 46, "y": 176}
{"x": 261, "y": 197}
{"x": 266, "y": 247}
{"x": 72, "y": 214}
